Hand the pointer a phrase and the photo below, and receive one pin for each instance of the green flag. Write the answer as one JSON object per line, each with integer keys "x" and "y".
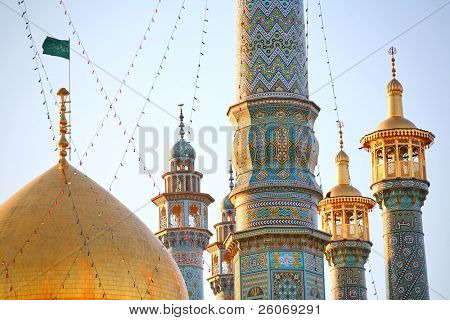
{"x": 58, "y": 48}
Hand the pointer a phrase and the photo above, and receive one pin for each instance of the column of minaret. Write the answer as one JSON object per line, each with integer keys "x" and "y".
{"x": 399, "y": 184}
{"x": 183, "y": 214}
{"x": 222, "y": 279}
{"x": 344, "y": 213}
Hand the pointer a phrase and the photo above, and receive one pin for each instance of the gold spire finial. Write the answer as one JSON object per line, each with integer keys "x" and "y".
{"x": 63, "y": 144}
{"x": 181, "y": 126}
{"x": 340, "y": 125}
{"x": 231, "y": 177}
{"x": 392, "y": 51}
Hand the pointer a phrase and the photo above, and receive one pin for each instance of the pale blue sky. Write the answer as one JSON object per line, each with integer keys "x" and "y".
{"x": 111, "y": 32}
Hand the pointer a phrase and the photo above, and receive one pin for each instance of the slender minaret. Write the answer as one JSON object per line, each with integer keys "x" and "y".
{"x": 344, "y": 214}
{"x": 400, "y": 186}
{"x": 183, "y": 214}
{"x": 277, "y": 248}
{"x": 222, "y": 280}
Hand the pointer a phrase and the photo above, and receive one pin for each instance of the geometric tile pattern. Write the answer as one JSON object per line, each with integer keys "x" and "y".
{"x": 193, "y": 277}
{"x": 287, "y": 285}
{"x": 254, "y": 263}
{"x": 272, "y": 49}
{"x": 406, "y": 270}
{"x": 275, "y": 152}
{"x": 282, "y": 276}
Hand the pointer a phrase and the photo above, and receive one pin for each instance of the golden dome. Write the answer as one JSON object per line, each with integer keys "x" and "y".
{"x": 343, "y": 190}
{"x": 76, "y": 241}
{"x": 396, "y": 122}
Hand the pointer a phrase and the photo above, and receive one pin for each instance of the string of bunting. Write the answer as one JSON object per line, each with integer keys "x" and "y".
{"x": 338, "y": 120}
{"x": 107, "y": 98}
{"x": 197, "y": 76}
{"x": 330, "y": 74}
{"x": 128, "y": 73}
{"x": 375, "y": 293}
{"x": 142, "y": 112}
{"x": 38, "y": 63}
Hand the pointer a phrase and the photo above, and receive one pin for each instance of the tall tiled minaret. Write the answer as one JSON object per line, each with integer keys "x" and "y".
{"x": 344, "y": 214}
{"x": 222, "y": 279}
{"x": 183, "y": 215}
{"x": 399, "y": 184}
{"x": 277, "y": 248}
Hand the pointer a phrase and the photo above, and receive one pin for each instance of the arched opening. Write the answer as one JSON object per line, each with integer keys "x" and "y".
{"x": 403, "y": 154}
{"x": 179, "y": 165}
{"x": 188, "y": 165}
{"x": 176, "y": 215}
{"x": 379, "y": 165}
{"x": 338, "y": 223}
{"x": 180, "y": 184}
{"x": 226, "y": 267}
{"x": 416, "y": 161}
{"x": 390, "y": 159}
{"x": 194, "y": 216}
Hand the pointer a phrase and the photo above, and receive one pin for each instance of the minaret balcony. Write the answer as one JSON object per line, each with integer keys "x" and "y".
{"x": 398, "y": 153}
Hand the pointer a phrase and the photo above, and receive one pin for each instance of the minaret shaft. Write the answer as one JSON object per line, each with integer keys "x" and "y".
{"x": 342, "y": 173}
{"x": 277, "y": 248}
{"x": 395, "y": 105}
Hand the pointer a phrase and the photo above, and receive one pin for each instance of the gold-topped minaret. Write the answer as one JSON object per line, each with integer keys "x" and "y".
{"x": 222, "y": 278}
{"x": 400, "y": 186}
{"x": 344, "y": 213}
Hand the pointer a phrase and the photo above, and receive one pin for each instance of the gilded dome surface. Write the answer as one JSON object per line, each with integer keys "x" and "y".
{"x": 343, "y": 190}
{"x": 182, "y": 149}
{"x": 396, "y": 123}
{"x": 76, "y": 241}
